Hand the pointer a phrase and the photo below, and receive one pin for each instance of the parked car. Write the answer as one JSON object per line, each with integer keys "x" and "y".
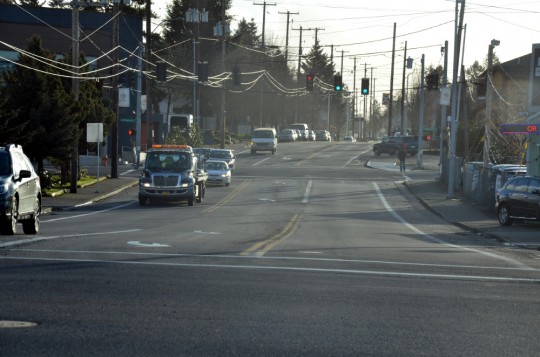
{"x": 287, "y": 135}
{"x": 518, "y": 200}
{"x": 20, "y": 192}
{"x": 349, "y": 138}
{"x": 224, "y": 155}
{"x": 218, "y": 173}
{"x": 323, "y": 135}
{"x": 311, "y": 135}
{"x": 391, "y": 144}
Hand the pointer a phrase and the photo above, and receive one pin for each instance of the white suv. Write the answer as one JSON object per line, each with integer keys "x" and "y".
{"x": 20, "y": 192}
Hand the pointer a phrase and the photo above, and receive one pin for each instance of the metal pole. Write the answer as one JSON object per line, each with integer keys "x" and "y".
{"x": 421, "y": 118}
{"x": 403, "y": 127}
{"x": 138, "y": 110}
{"x": 392, "y": 83}
{"x": 442, "y": 134}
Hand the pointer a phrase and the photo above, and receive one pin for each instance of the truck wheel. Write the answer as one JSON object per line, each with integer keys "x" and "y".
{"x": 142, "y": 201}
{"x": 376, "y": 152}
{"x": 253, "y": 152}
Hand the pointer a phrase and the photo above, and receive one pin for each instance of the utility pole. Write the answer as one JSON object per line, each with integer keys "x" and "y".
{"x": 453, "y": 123}
{"x": 392, "y": 83}
{"x": 300, "y": 51}
{"x": 223, "y": 36}
{"x": 489, "y": 93}
{"x": 287, "y": 34}
{"x": 317, "y": 33}
{"x": 114, "y": 129}
{"x": 264, "y": 5}
{"x": 75, "y": 90}
{"x": 403, "y": 128}
{"x": 148, "y": 53}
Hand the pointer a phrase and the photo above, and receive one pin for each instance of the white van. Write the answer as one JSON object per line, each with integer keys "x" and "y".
{"x": 304, "y": 130}
{"x": 264, "y": 139}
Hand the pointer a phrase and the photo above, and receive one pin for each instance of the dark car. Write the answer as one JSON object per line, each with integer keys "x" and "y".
{"x": 391, "y": 144}
{"x": 20, "y": 192}
{"x": 518, "y": 200}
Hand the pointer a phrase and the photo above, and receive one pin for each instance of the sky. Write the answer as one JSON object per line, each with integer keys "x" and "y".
{"x": 362, "y": 31}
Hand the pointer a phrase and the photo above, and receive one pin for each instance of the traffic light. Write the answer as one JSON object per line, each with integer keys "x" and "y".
{"x": 236, "y": 76}
{"x": 161, "y": 71}
{"x": 132, "y": 132}
{"x": 426, "y": 137}
{"x": 202, "y": 72}
{"x": 338, "y": 83}
{"x": 309, "y": 81}
{"x": 365, "y": 86}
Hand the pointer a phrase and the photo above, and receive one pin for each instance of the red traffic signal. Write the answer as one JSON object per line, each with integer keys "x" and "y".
{"x": 427, "y": 137}
{"x": 310, "y": 77}
{"x": 132, "y": 132}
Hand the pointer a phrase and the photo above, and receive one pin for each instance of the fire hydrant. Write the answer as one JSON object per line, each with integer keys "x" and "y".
{"x": 105, "y": 160}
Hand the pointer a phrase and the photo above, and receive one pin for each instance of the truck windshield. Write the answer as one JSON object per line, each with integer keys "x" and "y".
{"x": 170, "y": 161}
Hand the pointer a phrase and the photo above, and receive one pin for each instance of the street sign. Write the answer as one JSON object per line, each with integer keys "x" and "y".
{"x": 520, "y": 129}
{"x": 445, "y": 96}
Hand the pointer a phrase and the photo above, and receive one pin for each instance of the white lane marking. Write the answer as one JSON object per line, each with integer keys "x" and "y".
{"x": 317, "y": 270}
{"x": 309, "y": 252}
{"x": 429, "y": 236}
{"x": 266, "y": 200}
{"x": 210, "y": 233}
{"x": 88, "y": 214}
{"x": 306, "y": 193}
{"x": 37, "y": 239}
{"x": 137, "y": 243}
{"x": 228, "y": 256}
{"x": 260, "y": 161}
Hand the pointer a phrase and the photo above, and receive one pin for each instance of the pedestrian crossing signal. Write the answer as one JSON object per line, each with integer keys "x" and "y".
{"x": 131, "y": 132}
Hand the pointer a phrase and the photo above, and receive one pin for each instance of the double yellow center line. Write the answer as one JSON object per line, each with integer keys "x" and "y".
{"x": 261, "y": 248}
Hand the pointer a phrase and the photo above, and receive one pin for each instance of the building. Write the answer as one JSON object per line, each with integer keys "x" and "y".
{"x": 54, "y": 26}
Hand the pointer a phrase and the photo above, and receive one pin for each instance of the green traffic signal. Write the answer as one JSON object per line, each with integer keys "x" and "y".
{"x": 365, "y": 86}
{"x": 338, "y": 83}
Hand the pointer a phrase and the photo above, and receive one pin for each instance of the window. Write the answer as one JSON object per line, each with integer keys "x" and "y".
{"x": 534, "y": 186}
{"x": 521, "y": 185}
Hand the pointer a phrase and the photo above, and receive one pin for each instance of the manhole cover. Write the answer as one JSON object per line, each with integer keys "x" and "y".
{"x": 16, "y": 324}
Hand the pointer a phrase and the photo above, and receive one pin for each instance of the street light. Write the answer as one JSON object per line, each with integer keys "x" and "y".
{"x": 489, "y": 85}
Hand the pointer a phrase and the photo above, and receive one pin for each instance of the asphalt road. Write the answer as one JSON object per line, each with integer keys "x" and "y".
{"x": 308, "y": 252}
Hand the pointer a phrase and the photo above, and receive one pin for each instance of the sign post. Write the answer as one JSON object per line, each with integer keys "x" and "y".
{"x": 94, "y": 134}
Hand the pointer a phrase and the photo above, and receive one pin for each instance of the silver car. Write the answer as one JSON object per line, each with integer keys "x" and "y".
{"x": 218, "y": 173}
